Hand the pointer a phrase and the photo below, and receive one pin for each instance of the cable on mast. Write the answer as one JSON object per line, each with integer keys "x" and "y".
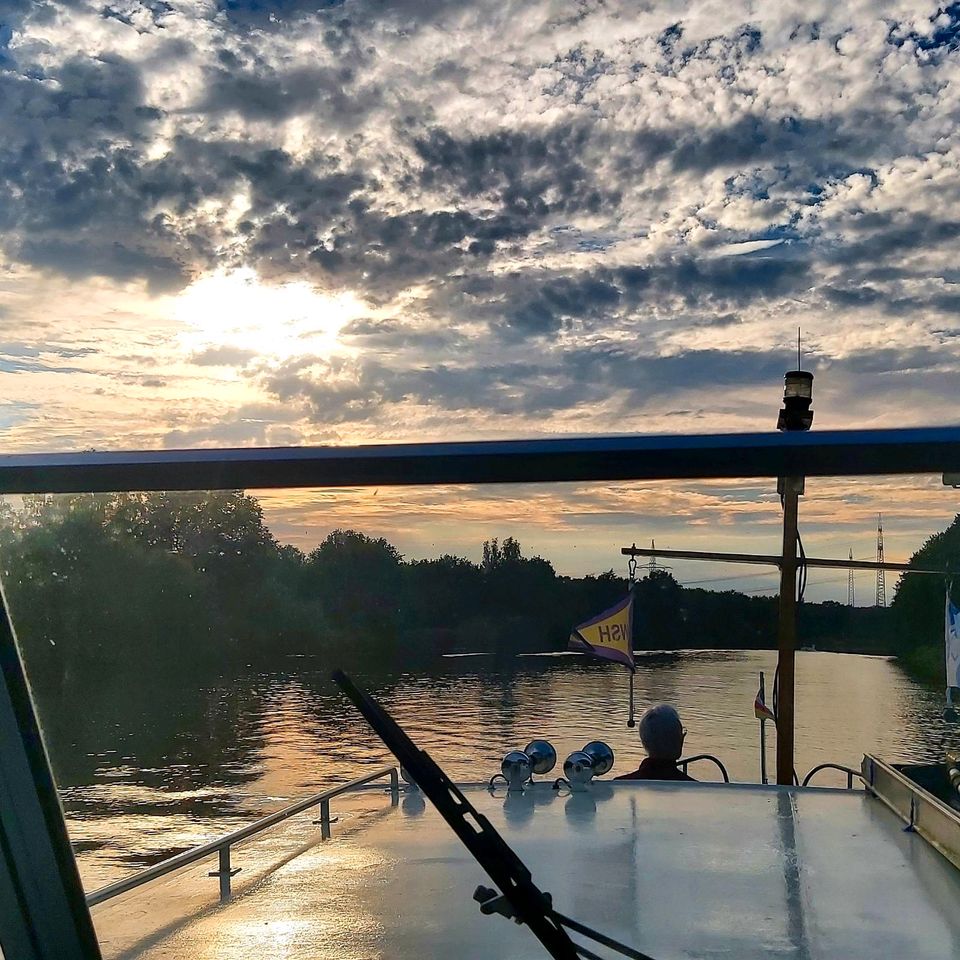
{"x": 881, "y": 600}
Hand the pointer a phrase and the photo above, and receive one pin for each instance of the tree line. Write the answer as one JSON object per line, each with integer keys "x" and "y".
{"x": 919, "y": 601}
{"x": 181, "y": 581}
{"x": 110, "y": 582}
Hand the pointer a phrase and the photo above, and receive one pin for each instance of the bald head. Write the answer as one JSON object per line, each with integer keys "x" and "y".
{"x": 661, "y": 732}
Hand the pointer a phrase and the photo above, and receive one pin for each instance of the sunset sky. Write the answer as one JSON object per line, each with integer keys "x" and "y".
{"x": 252, "y": 223}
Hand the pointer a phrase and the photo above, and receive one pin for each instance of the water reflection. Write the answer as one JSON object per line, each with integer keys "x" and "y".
{"x": 153, "y": 767}
{"x": 518, "y": 808}
{"x": 413, "y": 803}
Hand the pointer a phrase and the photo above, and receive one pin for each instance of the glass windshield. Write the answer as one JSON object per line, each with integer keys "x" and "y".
{"x": 179, "y": 644}
{"x": 273, "y": 223}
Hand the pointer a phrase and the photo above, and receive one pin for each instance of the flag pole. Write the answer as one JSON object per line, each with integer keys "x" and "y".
{"x": 763, "y": 751}
{"x": 763, "y": 734}
{"x": 632, "y": 591}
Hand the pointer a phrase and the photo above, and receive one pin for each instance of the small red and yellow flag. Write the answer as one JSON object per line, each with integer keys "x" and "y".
{"x": 760, "y": 708}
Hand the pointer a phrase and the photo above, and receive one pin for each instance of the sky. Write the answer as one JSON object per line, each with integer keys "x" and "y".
{"x": 251, "y": 223}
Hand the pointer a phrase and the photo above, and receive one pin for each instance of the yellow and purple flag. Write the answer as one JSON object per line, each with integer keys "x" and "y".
{"x": 608, "y": 635}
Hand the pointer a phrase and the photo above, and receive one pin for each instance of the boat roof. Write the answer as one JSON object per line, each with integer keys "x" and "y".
{"x": 675, "y": 870}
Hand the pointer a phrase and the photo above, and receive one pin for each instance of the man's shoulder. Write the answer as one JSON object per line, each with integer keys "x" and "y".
{"x": 656, "y": 770}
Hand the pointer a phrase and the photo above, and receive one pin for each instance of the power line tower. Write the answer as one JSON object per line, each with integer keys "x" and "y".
{"x": 850, "y": 590}
{"x": 881, "y": 582}
{"x": 652, "y": 563}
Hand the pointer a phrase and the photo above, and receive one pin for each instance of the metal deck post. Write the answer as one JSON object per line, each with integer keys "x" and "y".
{"x": 325, "y": 819}
{"x": 394, "y": 787}
{"x": 224, "y": 872}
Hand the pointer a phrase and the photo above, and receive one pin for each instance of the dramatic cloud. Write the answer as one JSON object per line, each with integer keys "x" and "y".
{"x": 288, "y": 222}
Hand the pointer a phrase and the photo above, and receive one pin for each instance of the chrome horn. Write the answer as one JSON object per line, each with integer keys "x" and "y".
{"x": 543, "y": 758}
{"x": 601, "y": 754}
{"x": 518, "y": 766}
{"x": 515, "y": 768}
{"x": 594, "y": 760}
{"x": 578, "y": 770}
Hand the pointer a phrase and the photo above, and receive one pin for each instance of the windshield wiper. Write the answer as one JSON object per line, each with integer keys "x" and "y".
{"x": 520, "y": 898}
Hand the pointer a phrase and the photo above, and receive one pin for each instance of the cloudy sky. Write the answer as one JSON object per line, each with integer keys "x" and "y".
{"x": 244, "y": 222}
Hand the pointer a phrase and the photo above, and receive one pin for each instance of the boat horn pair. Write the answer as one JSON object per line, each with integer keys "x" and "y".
{"x": 539, "y": 757}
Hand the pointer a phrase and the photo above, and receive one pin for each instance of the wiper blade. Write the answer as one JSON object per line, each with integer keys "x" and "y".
{"x": 521, "y": 899}
{"x": 529, "y": 904}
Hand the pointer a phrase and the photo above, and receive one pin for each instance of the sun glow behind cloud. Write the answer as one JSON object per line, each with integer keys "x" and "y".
{"x": 275, "y": 321}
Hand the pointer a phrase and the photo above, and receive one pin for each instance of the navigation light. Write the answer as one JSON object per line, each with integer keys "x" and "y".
{"x": 797, "y": 397}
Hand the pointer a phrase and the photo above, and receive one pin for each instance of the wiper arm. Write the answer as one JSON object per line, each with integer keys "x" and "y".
{"x": 529, "y": 904}
{"x": 521, "y": 899}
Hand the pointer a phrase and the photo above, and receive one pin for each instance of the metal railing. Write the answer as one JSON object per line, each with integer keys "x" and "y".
{"x": 222, "y": 845}
{"x": 684, "y": 762}
{"x": 834, "y": 766}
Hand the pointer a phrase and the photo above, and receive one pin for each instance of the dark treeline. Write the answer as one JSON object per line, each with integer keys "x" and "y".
{"x": 108, "y": 583}
{"x": 918, "y": 605}
{"x": 112, "y": 582}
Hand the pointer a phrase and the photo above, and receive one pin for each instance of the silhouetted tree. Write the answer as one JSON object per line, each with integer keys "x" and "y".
{"x": 357, "y": 581}
{"x": 918, "y": 603}
{"x": 441, "y": 593}
{"x": 658, "y": 612}
{"x": 85, "y": 599}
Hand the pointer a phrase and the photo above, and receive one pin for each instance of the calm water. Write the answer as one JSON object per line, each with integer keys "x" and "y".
{"x": 148, "y": 772}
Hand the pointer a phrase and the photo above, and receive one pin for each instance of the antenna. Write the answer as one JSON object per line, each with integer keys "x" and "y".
{"x": 799, "y": 364}
{"x": 850, "y": 588}
{"x": 881, "y": 581}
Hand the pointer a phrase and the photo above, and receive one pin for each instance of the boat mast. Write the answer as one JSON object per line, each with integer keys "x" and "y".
{"x": 792, "y": 488}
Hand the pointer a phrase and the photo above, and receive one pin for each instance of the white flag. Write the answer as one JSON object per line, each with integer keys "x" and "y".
{"x": 951, "y": 639}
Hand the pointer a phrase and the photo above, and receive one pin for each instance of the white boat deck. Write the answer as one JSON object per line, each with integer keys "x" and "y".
{"x": 676, "y": 870}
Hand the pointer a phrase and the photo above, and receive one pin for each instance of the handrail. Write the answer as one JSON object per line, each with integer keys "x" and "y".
{"x": 851, "y": 773}
{"x": 684, "y": 762}
{"x": 222, "y": 844}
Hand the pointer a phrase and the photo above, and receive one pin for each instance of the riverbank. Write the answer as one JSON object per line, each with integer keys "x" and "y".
{"x": 924, "y": 665}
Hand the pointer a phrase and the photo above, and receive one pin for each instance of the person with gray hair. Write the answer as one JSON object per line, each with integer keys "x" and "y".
{"x": 662, "y": 735}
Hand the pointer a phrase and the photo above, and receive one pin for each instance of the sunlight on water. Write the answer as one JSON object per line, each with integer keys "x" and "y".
{"x": 145, "y": 777}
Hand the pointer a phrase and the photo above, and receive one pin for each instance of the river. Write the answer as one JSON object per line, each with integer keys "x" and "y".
{"x": 149, "y": 769}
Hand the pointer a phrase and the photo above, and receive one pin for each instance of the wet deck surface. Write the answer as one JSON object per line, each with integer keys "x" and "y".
{"x": 675, "y": 870}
